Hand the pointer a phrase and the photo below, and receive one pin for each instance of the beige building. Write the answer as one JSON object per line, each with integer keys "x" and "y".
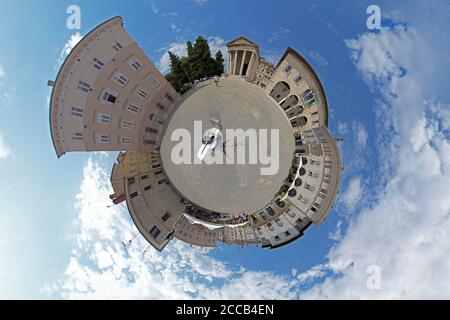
{"x": 298, "y": 90}
{"x": 108, "y": 96}
{"x": 243, "y": 58}
{"x": 264, "y": 73}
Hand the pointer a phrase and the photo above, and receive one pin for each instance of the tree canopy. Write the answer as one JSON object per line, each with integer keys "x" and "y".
{"x": 198, "y": 64}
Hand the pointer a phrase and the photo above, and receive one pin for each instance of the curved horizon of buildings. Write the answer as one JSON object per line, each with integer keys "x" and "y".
{"x": 108, "y": 96}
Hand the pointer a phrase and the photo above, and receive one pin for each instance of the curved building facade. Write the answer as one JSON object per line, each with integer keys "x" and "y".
{"x": 108, "y": 96}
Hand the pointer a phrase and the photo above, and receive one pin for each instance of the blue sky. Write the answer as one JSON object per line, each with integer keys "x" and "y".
{"x": 388, "y": 96}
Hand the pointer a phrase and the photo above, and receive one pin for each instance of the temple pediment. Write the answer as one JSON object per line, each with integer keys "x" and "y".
{"x": 242, "y": 41}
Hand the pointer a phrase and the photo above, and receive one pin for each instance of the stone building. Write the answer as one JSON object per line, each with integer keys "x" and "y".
{"x": 243, "y": 58}
{"x": 108, "y": 96}
{"x": 264, "y": 73}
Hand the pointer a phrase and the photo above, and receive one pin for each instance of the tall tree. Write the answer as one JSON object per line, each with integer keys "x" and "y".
{"x": 178, "y": 74}
{"x": 218, "y": 64}
{"x": 201, "y": 62}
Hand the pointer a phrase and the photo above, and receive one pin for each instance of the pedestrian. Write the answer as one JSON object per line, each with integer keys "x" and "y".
{"x": 216, "y": 80}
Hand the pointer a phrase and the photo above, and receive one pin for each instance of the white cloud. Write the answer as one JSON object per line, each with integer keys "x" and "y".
{"x": 343, "y": 127}
{"x": 361, "y": 134}
{"x": 101, "y": 268}
{"x": 337, "y": 233}
{"x": 70, "y": 44}
{"x": 405, "y": 232}
{"x": 353, "y": 193}
{"x": 4, "y": 149}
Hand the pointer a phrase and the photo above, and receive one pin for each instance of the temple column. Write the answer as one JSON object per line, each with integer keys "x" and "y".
{"x": 244, "y": 53}
{"x": 236, "y": 62}
{"x": 250, "y": 64}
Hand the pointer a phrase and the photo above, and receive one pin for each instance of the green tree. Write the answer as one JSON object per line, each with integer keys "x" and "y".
{"x": 218, "y": 64}
{"x": 201, "y": 63}
{"x": 178, "y": 75}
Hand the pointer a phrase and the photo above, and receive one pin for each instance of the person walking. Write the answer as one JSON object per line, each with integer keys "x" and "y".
{"x": 216, "y": 80}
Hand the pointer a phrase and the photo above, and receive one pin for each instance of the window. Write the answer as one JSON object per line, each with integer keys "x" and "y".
{"x": 131, "y": 180}
{"x": 287, "y": 69}
{"x": 154, "y": 231}
{"x": 97, "y": 63}
{"x": 76, "y": 112}
{"x": 120, "y": 78}
{"x": 168, "y": 97}
{"x": 109, "y": 97}
{"x": 287, "y": 233}
{"x": 127, "y": 124}
{"x": 302, "y": 171}
{"x": 126, "y": 140}
{"x": 133, "y": 195}
{"x": 135, "y": 63}
{"x": 141, "y": 93}
{"x": 151, "y": 79}
{"x": 156, "y": 118}
{"x": 298, "y": 79}
{"x": 157, "y": 172}
{"x": 77, "y": 136}
{"x": 145, "y": 176}
{"x": 148, "y": 142}
{"x": 117, "y": 46}
{"x": 162, "y": 181}
{"x": 160, "y": 106}
{"x": 165, "y": 217}
{"x": 101, "y": 138}
{"x": 83, "y": 86}
{"x": 151, "y": 130}
{"x": 146, "y": 188}
{"x": 307, "y": 95}
{"x": 102, "y": 118}
{"x": 132, "y": 108}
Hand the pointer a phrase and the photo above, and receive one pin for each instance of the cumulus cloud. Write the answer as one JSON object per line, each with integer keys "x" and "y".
{"x": 100, "y": 267}
{"x": 404, "y": 234}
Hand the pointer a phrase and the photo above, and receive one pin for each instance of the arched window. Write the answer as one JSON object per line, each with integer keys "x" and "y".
{"x": 289, "y": 102}
{"x": 280, "y": 91}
